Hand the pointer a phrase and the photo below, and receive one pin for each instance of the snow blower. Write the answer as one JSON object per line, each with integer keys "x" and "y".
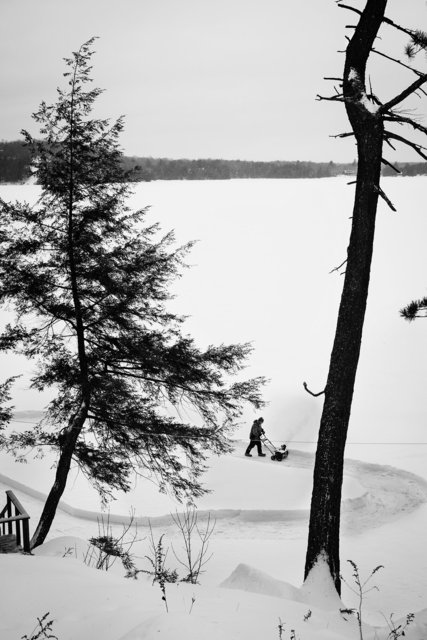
{"x": 277, "y": 454}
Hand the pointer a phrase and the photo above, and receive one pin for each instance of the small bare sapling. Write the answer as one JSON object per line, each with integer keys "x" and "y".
{"x": 196, "y": 543}
{"x": 361, "y": 590}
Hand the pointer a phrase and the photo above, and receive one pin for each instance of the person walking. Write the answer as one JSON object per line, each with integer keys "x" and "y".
{"x": 255, "y": 438}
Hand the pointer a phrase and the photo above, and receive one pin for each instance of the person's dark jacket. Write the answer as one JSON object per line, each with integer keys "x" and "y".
{"x": 256, "y": 431}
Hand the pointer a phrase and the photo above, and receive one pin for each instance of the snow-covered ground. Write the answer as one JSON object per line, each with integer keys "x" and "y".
{"x": 258, "y": 545}
{"x": 261, "y": 273}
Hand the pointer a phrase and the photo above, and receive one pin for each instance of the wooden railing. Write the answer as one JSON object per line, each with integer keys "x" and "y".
{"x": 17, "y": 523}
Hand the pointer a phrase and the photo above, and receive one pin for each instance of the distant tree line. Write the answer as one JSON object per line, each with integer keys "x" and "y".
{"x": 14, "y": 161}
{"x": 406, "y": 169}
{"x": 15, "y": 167}
{"x": 208, "y": 169}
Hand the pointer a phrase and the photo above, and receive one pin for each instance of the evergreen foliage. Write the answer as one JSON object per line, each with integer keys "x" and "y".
{"x": 6, "y": 411}
{"x": 417, "y": 43}
{"x": 89, "y": 281}
{"x": 415, "y": 309}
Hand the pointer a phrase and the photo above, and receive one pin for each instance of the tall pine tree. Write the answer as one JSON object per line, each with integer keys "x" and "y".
{"x": 370, "y": 119}
{"x": 89, "y": 282}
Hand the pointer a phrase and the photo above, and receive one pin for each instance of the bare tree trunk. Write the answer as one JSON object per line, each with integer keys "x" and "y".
{"x": 367, "y": 124}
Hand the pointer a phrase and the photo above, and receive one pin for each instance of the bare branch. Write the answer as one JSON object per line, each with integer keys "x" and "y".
{"x": 346, "y": 6}
{"x": 417, "y": 147}
{"x": 337, "y": 98}
{"x": 405, "y": 120}
{"x": 407, "y": 66}
{"x": 385, "y": 198}
{"x": 343, "y": 135}
{"x": 409, "y": 32}
{"x": 389, "y": 164}
{"x": 304, "y": 384}
{"x": 336, "y": 79}
{"x": 404, "y": 94}
{"x": 370, "y": 87}
{"x": 339, "y": 266}
{"x": 389, "y": 143}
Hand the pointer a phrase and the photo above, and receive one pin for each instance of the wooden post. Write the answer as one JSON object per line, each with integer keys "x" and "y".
{"x": 18, "y": 528}
{"x": 26, "y": 535}
{"x": 8, "y": 522}
{"x": 9, "y": 513}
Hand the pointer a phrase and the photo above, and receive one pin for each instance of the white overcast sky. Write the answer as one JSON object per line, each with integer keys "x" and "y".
{"x": 200, "y": 78}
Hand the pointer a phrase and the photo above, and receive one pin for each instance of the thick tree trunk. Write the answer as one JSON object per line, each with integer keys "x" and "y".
{"x": 367, "y": 123}
{"x": 63, "y": 467}
{"x": 328, "y": 471}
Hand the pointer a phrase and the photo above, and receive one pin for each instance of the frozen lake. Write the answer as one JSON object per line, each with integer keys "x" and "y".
{"x": 260, "y": 272}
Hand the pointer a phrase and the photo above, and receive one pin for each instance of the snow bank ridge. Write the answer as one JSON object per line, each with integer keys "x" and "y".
{"x": 247, "y": 578}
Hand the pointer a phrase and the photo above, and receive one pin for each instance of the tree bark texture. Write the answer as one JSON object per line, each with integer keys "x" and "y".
{"x": 367, "y": 124}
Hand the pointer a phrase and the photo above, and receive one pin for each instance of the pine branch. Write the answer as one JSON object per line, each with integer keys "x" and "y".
{"x": 129, "y": 372}
{"x": 411, "y": 311}
{"x": 222, "y": 397}
{"x": 418, "y": 43}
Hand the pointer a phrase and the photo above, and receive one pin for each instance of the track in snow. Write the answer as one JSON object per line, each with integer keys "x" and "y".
{"x": 387, "y": 494}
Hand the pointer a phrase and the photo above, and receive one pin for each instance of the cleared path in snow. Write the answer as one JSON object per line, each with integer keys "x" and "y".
{"x": 246, "y": 494}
